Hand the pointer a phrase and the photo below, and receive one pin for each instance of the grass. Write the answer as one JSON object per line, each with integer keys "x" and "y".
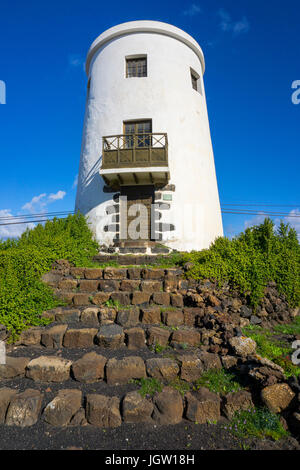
{"x": 290, "y": 329}
{"x": 169, "y": 328}
{"x": 180, "y": 385}
{"x": 276, "y": 350}
{"x": 148, "y": 386}
{"x": 219, "y": 381}
{"x": 159, "y": 348}
{"x": 116, "y": 304}
{"x": 256, "y": 422}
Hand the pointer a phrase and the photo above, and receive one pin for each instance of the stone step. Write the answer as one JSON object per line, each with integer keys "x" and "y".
{"x": 149, "y": 295}
{"x": 74, "y": 407}
{"x": 91, "y": 365}
{"x": 92, "y": 381}
{"x": 123, "y": 247}
{"x": 111, "y": 285}
{"x": 89, "y": 388}
{"x": 140, "y": 273}
{"x": 132, "y": 315}
{"x": 133, "y": 328}
{"x": 94, "y": 371}
{"x": 112, "y": 273}
{"x": 131, "y": 257}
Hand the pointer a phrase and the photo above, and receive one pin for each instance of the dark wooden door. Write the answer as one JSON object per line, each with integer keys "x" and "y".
{"x": 142, "y": 196}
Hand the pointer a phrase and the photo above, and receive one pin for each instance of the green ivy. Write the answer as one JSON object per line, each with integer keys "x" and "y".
{"x": 251, "y": 260}
{"x": 23, "y": 297}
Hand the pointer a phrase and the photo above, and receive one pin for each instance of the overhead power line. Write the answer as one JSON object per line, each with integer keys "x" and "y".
{"x": 267, "y": 214}
{"x": 30, "y": 221}
{"x": 252, "y": 212}
{"x": 15, "y": 220}
{"x": 43, "y": 214}
{"x": 262, "y": 205}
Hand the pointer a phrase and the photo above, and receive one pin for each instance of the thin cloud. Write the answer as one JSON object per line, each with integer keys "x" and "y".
{"x": 75, "y": 182}
{"x": 230, "y": 231}
{"x": 13, "y": 230}
{"x": 56, "y": 197}
{"x": 256, "y": 220}
{"x": 39, "y": 203}
{"x": 241, "y": 26}
{"x": 211, "y": 44}
{"x": 226, "y": 22}
{"x": 193, "y": 10}
{"x": 36, "y": 201}
{"x": 293, "y": 221}
{"x": 235, "y": 27}
{"x": 75, "y": 60}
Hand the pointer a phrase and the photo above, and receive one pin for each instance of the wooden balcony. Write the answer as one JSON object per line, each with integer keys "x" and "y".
{"x": 135, "y": 159}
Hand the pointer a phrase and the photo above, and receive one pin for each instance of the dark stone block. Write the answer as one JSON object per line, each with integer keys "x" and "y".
{"x": 112, "y": 228}
{"x": 160, "y": 227}
{"x": 163, "y": 206}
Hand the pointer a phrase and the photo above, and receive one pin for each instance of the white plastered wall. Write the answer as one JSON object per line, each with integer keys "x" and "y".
{"x": 166, "y": 96}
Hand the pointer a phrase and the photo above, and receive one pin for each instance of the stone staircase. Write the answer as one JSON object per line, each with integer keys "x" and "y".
{"x": 119, "y": 328}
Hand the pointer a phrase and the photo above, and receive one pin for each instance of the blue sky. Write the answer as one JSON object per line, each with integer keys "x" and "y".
{"x": 252, "y": 58}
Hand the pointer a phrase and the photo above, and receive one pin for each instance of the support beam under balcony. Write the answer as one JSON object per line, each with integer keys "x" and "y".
{"x": 131, "y": 176}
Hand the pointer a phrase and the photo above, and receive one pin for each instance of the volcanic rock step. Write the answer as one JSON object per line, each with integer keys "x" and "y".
{"x": 93, "y": 367}
{"x": 97, "y": 326}
{"x": 133, "y": 259}
{"x": 144, "y": 286}
{"x": 71, "y": 407}
{"x": 168, "y": 406}
{"x": 143, "y": 298}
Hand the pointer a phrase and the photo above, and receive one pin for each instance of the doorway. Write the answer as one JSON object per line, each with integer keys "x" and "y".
{"x": 138, "y": 218}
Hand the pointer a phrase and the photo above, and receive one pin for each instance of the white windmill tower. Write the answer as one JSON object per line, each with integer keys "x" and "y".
{"x": 146, "y": 138}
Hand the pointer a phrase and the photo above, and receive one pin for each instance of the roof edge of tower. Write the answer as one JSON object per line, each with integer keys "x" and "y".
{"x": 144, "y": 26}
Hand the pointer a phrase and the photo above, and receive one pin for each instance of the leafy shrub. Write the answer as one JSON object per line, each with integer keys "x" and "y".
{"x": 258, "y": 422}
{"x": 251, "y": 260}
{"x": 23, "y": 297}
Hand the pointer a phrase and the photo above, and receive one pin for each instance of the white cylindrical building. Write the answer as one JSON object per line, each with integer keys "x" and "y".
{"x": 146, "y": 138}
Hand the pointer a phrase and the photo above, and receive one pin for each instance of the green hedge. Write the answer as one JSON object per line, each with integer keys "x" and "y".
{"x": 248, "y": 262}
{"x": 23, "y": 297}
{"x": 252, "y": 259}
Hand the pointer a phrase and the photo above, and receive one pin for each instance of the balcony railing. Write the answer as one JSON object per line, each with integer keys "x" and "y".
{"x": 135, "y": 151}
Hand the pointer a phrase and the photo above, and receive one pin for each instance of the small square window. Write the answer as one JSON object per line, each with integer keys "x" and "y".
{"x": 196, "y": 83}
{"x": 136, "y": 67}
